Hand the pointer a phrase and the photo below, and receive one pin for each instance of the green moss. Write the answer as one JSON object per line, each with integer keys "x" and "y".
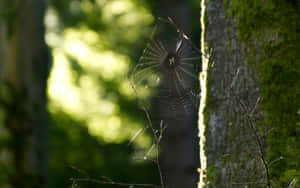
{"x": 211, "y": 176}
{"x": 271, "y": 32}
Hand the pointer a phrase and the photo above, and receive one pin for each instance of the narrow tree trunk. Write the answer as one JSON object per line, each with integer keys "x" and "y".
{"x": 231, "y": 114}
{"x": 5, "y": 161}
{"x": 179, "y": 144}
{"x": 25, "y": 67}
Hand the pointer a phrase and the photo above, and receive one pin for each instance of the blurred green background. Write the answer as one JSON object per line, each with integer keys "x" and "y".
{"x": 93, "y": 111}
{"x": 71, "y": 93}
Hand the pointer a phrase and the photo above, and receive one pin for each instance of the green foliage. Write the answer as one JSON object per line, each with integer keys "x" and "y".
{"x": 74, "y": 13}
{"x": 71, "y": 141}
{"x": 271, "y": 31}
{"x": 72, "y": 146}
{"x": 112, "y": 26}
{"x": 9, "y": 14}
{"x": 5, "y": 144}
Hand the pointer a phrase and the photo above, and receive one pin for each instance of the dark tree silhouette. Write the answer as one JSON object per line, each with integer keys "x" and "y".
{"x": 25, "y": 66}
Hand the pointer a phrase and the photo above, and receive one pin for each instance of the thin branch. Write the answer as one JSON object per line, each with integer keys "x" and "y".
{"x": 275, "y": 161}
{"x": 157, "y": 139}
{"x": 261, "y": 151}
{"x": 250, "y": 120}
{"x": 145, "y": 159}
{"x": 112, "y": 182}
{"x": 249, "y": 117}
{"x": 255, "y": 106}
{"x": 159, "y": 168}
{"x": 106, "y": 181}
{"x": 247, "y": 183}
{"x": 141, "y": 130}
{"x": 170, "y": 21}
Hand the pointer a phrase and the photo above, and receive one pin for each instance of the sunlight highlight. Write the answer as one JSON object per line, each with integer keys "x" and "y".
{"x": 110, "y": 128}
{"x": 203, "y": 85}
{"x": 128, "y": 14}
{"x": 83, "y": 68}
{"x": 81, "y": 95}
{"x": 106, "y": 63}
{"x": 61, "y": 88}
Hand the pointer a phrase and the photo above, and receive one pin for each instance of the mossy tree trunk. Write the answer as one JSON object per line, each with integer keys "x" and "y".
{"x": 24, "y": 70}
{"x": 245, "y": 37}
{"x": 234, "y": 122}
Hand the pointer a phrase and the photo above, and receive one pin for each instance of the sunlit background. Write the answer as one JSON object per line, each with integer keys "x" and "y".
{"x": 84, "y": 64}
{"x": 93, "y": 110}
{"x": 94, "y": 45}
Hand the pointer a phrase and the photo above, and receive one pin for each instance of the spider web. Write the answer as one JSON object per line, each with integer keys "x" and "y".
{"x": 169, "y": 67}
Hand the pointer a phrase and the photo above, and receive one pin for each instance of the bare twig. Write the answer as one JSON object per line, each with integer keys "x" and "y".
{"x": 267, "y": 132}
{"x": 247, "y": 183}
{"x": 255, "y": 107}
{"x": 235, "y": 78}
{"x": 170, "y": 21}
{"x": 140, "y": 131}
{"x": 145, "y": 159}
{"x": 249, "y": 115}
{"x": 292, "y": 183}
{"x": 106, "y": 180}
{"x": 158, "y": 138}
{"x": 275, "y": 161}
{"x": 162, "y": 128}
{"x": 112, "y": 182}
{"x": 257, "y": 138}
{"x": 80, "y": 171}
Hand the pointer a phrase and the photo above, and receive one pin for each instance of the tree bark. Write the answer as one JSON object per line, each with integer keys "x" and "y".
{"x": 232, "y": 116}
{"x": 25, "y": 67}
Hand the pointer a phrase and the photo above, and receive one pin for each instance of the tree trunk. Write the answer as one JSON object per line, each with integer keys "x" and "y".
{"x": 24, "y": 70}
{"x": 179, "y": 144}
{"x": 231, "y": 114}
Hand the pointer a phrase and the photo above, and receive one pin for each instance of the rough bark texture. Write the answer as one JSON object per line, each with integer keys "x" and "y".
{"x": 233, "y": 153}
{"x": 25, "y": 67}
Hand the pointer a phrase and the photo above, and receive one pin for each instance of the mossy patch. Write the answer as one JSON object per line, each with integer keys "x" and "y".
{"x": 271, "y": 31}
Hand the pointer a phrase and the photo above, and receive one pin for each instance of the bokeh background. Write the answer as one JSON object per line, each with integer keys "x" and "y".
{"x": 92, "y": 110}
